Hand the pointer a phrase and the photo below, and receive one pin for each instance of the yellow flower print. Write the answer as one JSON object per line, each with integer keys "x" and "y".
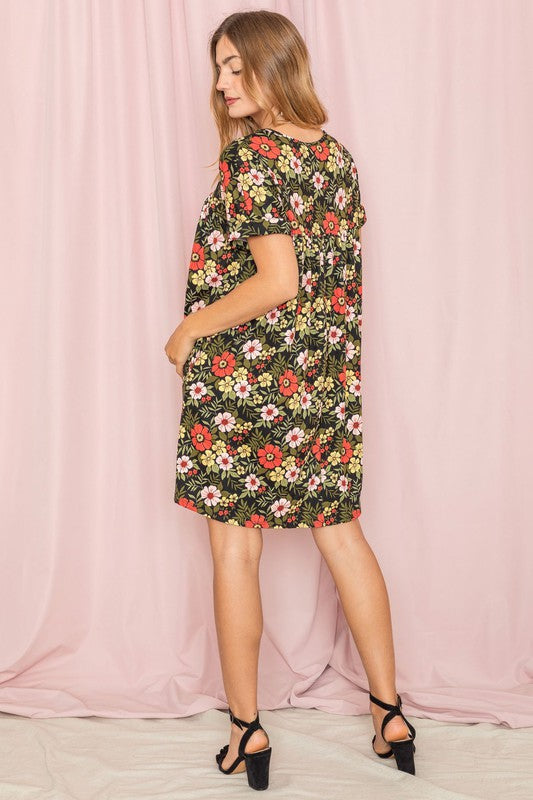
{"x": 198, "y": 278}
{"x": 207, "y": 458}
{"x": 277, "y": 474}
{"x": 225, "y": 385}
{"x": 288, "y": 462}
{"x": 265, "y": 379}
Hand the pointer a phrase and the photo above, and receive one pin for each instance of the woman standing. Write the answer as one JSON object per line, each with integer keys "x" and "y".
{"x": 270, "y": 355}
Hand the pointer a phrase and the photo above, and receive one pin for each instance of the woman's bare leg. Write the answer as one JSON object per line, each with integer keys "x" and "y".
{"x": 365, "y": 602}
{"x": 236, "y": 555}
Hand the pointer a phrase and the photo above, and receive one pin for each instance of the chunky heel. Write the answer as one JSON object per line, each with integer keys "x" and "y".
{"x": 257, "y": 764}
{"x": 257, "y": 767}
{"x": 404, "y": 752}
{"x": 402, "y": 749}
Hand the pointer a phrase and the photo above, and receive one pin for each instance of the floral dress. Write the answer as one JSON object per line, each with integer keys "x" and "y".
{"x": 270, "y": 434}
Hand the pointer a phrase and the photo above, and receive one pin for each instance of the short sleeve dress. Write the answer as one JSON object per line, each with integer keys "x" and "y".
{"x": 270, "y": 433}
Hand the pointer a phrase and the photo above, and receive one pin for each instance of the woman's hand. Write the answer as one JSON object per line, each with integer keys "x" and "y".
{"x": 179, "y": 346}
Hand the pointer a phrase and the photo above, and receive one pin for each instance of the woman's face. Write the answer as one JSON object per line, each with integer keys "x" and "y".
{"x": 229, "y": 69}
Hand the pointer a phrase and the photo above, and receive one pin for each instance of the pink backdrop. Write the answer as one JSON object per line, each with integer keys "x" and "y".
{"x": 105, "y": 139}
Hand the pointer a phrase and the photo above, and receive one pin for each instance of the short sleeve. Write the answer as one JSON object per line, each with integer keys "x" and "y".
{"x": 360, "y": 215}
{"x": 252, "y": 193}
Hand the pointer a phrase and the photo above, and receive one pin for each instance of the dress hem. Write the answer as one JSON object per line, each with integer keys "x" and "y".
{"x": 231, "y": 520}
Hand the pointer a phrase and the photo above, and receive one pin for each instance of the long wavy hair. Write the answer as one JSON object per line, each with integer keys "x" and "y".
{"x": 272, "y": 49}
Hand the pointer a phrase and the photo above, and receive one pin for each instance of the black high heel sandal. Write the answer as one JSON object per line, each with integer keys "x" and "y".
{"x": 257, "y": 764}
{"x": 403, "y": 749}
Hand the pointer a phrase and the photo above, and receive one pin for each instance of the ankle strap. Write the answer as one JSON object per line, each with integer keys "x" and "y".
{"x": 251, "y": 727}
{"x": 387, "y": 706}
{"x": 242, "y": 724}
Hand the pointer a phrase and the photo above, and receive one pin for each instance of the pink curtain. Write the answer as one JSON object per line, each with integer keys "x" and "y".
{"x": 106, "y": 139}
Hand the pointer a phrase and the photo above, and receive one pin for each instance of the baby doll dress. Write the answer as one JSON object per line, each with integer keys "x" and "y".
{"x": 270, "y": 433}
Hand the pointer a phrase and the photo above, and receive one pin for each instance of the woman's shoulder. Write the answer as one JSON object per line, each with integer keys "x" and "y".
{"x": 242, "y": 147}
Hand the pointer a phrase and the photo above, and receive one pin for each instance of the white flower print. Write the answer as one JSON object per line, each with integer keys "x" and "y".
{"x": 215, "y": 240}
{"x": 297, "y": 203}
{"x": 295, "y": 164}
{"x": 269, "y": 412}
{"x": 242, "y": 389}
{"x": 340, "y": 410}
{"x": 252, "y": 482}
{"x": 224, "y": 461}
{"x": 211, "y": 495}
{"x": 342, "y": 483}
{"x": 340, "y": 197}
{"x": 355, "y": 386}
{"x": 318, "y": 181}
{"x": 313, "y": 483}
{"x": 303, "y": 358}
{"x": 289, "y": 335}
{"x": 292, "y": 473}
{"x": 295, "y": 437}
{"x": 214, "y": 280}
{"x": 273, "y": 315}
{"x": 183, "y": 463}
{"x": 307, "y": 281}
{"x": 252, "y": 348}
{"x": 225, "y": 421}
{"x": 334, "y": 334}
{"x": 280, "y": 507}
{"x": 197, "y": 390}
{"x": 355, "y": 424}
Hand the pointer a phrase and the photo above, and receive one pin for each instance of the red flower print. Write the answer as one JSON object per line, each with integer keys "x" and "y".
{"x": 187, "y": 503}
{"x": 295, "y": 225}
{"x": 270, "y": 456}
{"x": 338, "y": 301}
{"x": 223, "y": 364}
{"x": 347, "y": 451}
{"x": 320, "y": 150}
{"x": 319, "y": 521}
{"x": 226, "y": 174}
{"x": 316, "y": 449}
{"x": 288, "y": 383}
{"x": 356, "y": 513}
{"x": 201, "y": 438}
{"x": 197, "y": 257}
{"x": 342, "y": 376}
{"x": 246, "y": 204}
{"x": 331, "y": 223}
{"x": 265, "y": 146}
{"x": 256, "y": 521}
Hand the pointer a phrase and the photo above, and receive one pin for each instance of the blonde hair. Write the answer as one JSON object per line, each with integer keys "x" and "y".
{"x": 272, "y": 49}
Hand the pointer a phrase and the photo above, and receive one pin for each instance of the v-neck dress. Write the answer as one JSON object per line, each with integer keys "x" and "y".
{"x": 271, "y": 431}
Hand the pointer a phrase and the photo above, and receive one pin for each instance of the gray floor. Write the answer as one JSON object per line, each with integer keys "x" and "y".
{"x": 315, "y": 754}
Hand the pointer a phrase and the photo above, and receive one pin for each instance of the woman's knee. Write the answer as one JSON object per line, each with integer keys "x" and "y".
{"x": 233, "y": 543}
{"x": 335, "y": 538}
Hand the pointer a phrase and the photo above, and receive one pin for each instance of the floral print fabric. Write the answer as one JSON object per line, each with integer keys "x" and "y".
{"x": 270, "y": 433}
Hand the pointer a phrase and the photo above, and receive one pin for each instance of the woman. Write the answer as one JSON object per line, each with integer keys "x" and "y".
{"x": 269, "y": 352}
